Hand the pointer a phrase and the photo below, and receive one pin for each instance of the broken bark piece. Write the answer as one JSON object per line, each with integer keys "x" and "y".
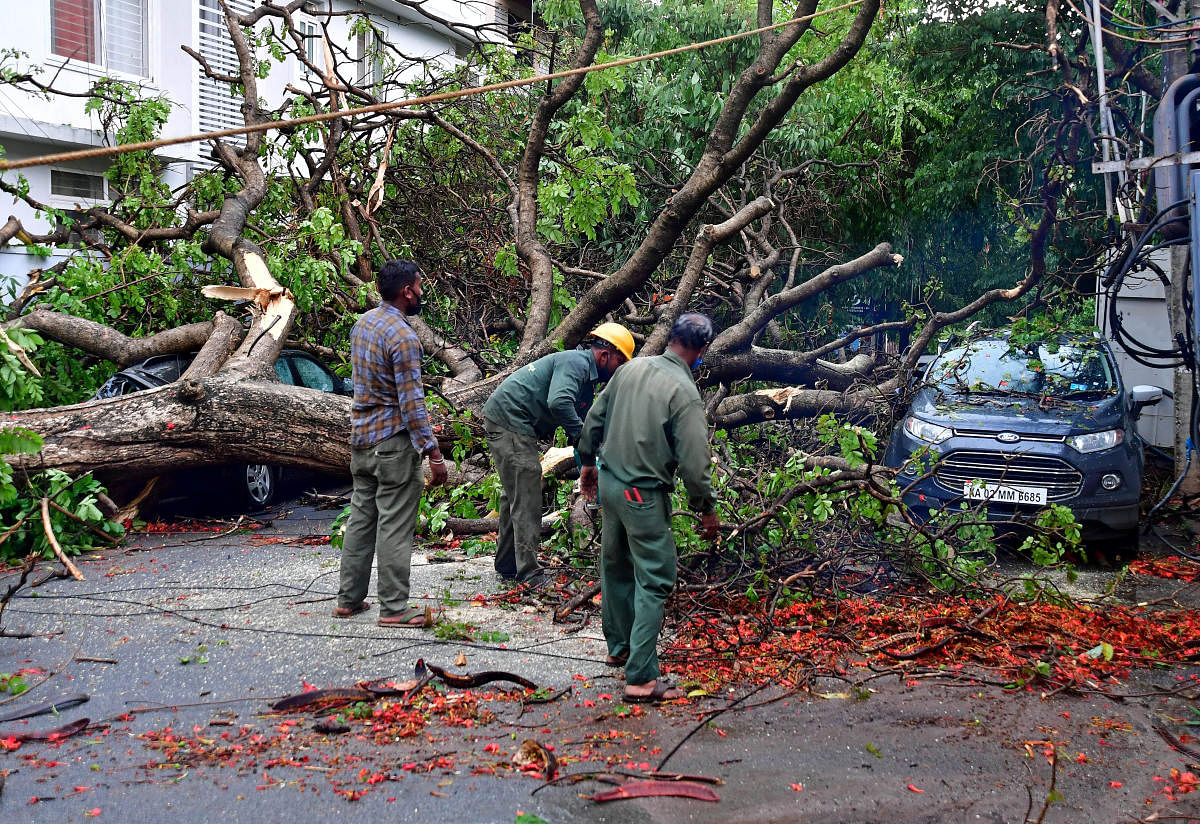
{"x": 564, "y": 612}
{"x": 468, "y": 681}
{"x": 670, "y": 776}
{"x": 388, "y": 688}
{"x": 655, "y": 789}
{"x": 330, "y": 697}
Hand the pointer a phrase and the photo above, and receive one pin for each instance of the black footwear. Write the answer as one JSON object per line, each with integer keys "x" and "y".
{"x": 537, "y": 580}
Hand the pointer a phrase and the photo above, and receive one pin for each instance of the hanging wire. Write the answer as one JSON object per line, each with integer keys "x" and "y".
{"x": 109, "y": 151}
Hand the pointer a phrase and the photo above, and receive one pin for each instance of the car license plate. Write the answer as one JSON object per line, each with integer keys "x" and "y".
{"x": 1005, "y": 493}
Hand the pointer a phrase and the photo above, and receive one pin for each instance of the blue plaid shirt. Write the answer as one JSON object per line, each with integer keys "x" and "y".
{"x": 388, "y": 397}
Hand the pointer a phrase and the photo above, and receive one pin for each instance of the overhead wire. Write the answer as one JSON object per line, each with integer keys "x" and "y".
{"x": 1126, "y": 37}
{"x": 1116, "y": 19}
{"x": 112, "y": 151}
{"x": 1138, "y": 256}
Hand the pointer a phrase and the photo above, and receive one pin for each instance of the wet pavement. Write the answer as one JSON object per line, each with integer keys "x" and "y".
{"x": 199, "y": 632}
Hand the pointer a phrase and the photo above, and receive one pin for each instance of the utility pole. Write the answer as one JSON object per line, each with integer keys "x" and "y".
{"x": 1178, "y": 62}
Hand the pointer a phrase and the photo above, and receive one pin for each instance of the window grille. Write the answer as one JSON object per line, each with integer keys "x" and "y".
{"x": 73, "y": 29}
{"x": 219, "y": 108}
{"x": 76, "y": 184}
{"x": 124, "y": 25}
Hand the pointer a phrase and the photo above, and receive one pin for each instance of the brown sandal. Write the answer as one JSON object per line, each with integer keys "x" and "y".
{"x": 411, "y": 617}
{"x": 661, "y": 692}
{"x": 616, "y": 660}
{"x": 350, "y": 612}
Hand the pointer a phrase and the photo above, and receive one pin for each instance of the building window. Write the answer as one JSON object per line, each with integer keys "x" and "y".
{"x": 311, "y": 33}
{"x": 517, "y": 18}
{"x": 110, "y": 33}
{"x": 76, "y": 185}
{"x": 369, "y": 68}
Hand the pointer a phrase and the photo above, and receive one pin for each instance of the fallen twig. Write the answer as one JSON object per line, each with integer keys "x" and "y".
{"x": 56, "y": 734}
{"x": 8, "y": 532}
{"x": 655, "y": 789}
{"x": 58, "y": 550}
{"x": 562, "y": 613}
{"x": 112, "y": 539}
{"x": 1174, "y": 742}
{"x": 236, "y": 526}
{"x": 56, "y": 706}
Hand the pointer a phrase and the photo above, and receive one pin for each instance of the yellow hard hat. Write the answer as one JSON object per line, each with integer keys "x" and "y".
{"x": 617, "y": 335}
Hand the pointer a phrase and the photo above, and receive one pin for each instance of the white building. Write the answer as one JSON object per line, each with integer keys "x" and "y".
{"x": 74, "y": 43}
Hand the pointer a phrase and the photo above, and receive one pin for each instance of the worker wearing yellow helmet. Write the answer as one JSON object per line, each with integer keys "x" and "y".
{"x": 553, "y": 391}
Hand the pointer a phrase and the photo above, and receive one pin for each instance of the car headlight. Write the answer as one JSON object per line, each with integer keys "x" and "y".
{"x": 1096, "y": 441}
{"x": 926, "y": 431}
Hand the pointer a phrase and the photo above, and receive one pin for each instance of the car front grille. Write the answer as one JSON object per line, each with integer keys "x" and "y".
{"x": 990, "y": 434}
{"x": 1060, "y": 479}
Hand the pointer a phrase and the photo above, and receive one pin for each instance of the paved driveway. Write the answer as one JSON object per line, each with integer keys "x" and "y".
{"x": 182, "y": 640}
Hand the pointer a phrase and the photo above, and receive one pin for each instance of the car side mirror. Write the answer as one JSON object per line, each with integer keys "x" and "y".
{"x": 1142, "y": 396}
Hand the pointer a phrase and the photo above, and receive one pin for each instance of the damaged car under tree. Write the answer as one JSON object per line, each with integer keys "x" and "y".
{"x": 1015, "y": 428}
{"x": 249, "y": 487}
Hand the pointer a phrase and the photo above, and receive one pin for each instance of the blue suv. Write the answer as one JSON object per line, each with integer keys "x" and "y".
{"x": 1016, "y": 428}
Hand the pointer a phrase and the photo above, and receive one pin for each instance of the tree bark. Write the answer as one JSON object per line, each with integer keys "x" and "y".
{"x": 204, "y": 422}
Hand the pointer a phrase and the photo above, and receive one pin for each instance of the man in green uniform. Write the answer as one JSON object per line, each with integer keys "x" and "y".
{"x": 647, "y": 424}
{"x": 531, "y": 403}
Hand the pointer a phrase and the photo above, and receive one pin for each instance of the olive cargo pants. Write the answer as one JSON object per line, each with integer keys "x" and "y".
{"x": 383, "y": 514}
{"x": 637, "y": 573}
{"x": 520, "y": 535}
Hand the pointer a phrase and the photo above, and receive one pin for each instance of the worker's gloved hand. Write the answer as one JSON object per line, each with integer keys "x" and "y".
{"x": 709, "y": 524}
{"x": 588, "y": 481}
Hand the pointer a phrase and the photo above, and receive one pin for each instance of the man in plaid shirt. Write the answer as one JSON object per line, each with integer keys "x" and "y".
{"x": 389, "y": 432}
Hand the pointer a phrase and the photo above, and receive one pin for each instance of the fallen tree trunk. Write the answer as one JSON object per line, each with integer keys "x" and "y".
{"x": 217, "y": 420}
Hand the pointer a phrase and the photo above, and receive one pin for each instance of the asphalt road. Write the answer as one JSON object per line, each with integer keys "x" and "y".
{"x": 198, "y": 632}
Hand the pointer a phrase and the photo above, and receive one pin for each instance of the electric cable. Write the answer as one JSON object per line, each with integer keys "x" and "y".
{"x": 1137, "y": 256}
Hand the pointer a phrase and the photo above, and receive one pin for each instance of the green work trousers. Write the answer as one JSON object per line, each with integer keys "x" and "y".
{"x": 517, "y": 463}
{"x": 383, "y": 514}
{"x": 637, "y": 573}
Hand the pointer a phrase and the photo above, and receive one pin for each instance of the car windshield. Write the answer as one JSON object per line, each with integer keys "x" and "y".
{"x": 1075, "y": 369}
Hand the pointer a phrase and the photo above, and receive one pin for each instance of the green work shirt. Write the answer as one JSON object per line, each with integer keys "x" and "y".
{"x": 553, "y": 391}
{"x": 649, "y": 423}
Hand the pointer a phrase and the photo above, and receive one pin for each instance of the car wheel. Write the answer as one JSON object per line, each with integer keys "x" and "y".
{"x": 260, "y": 484}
